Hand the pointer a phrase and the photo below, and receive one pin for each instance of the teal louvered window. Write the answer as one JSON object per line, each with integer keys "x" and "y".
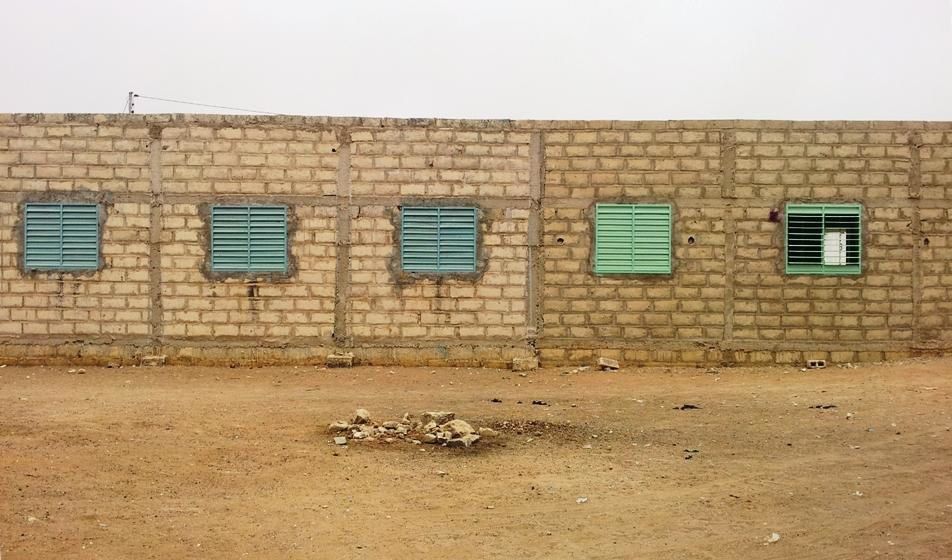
{"x": 632, "y": 239}
{"x": 61, "y": 236}
{"x": 249, "y": 238}
{"x": 824, "y": 239}
{"x": 438, "y": 239}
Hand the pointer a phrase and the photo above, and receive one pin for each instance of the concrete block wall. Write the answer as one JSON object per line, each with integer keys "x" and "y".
{"x": 484, "y": 168}
{"x": 728, "y": 299}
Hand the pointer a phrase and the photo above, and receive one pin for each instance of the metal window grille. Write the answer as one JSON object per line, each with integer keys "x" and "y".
{"x": 249, "y": 238}
{"x": 633, "y": 239}
{"x": 824, "y": 239}
{"x": 61, "y": 236}
{"x": 438, "y": 239}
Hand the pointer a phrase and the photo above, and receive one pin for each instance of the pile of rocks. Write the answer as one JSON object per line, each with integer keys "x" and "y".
{"x": 440, "y": 428}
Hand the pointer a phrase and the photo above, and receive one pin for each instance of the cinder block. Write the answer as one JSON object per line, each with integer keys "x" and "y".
{"x": 525, "y": 363}
{"x": 344, "y": 360}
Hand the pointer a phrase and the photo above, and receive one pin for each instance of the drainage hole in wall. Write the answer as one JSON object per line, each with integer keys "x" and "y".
{"x": 690, "y": 240}
{"x": 560, "y": 240}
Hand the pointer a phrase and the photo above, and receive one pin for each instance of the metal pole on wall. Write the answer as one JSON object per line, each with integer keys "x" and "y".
{"x": 132, "y": 103}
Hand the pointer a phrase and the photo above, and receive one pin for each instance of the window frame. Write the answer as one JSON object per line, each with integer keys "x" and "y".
{"x": 635, "y": 269}
{"x": 406, "y": 241}
{"x": 247, "y": 268}
{"x": 824, "y": 209}
{"x": 61, "y": 265}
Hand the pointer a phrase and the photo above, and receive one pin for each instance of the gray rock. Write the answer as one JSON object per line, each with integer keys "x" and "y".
{"x": 345, "y": 360}
{"x": 525, "y": 364}
{"x": 438, "y": 417}
{"x": 428, "y": 438}
{"x": 463, "y": 441}
{"x": 608, "y": 364}
{"x": 152, "y": 361}
{"x": 361, "y": 416}
{"x": 390, "y": 424}
{"x": 357, "y": 434}
{"x": 430, "y": 427}
{"x": 488, "y": 432}
{"x": 340, "y": 440}
{"x": 457, "y": 428}
{"x": 339, "y": 426}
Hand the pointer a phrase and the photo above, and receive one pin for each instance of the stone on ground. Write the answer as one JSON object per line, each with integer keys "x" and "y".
{"x": 361, "y": 416}
{"x": 344, "y": 360}
{"x": 438, "y": 417}
{"x": 525, "y": 364}
{"x": 457, "y": 428}
{"x": 608, "y": 364}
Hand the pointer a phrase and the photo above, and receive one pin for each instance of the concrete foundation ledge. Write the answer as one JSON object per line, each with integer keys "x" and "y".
{"x": 209, "y": 354}
{"x": 433, "y": 355}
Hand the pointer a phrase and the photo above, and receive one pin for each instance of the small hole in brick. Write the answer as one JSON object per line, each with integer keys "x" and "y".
{"x": 925, "y": 241}
{"x": 560, "y": 240}
{"x": 334, "y": 150}
{"x": 691, "y": 240}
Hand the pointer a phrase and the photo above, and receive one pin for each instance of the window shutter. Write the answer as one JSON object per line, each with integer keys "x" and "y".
{"x": 632, "y": 239}
{"x": 61, "y": 236}
{"x": 438, "y": 239}
{"x": 823, "y": 239}
{"x": 249, "y": 238}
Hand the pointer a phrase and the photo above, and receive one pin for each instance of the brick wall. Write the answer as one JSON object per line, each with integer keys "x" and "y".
{"x": 535, "y": 183}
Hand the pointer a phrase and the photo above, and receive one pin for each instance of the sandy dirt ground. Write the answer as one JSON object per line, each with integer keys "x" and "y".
{"x": 236, "y": 463}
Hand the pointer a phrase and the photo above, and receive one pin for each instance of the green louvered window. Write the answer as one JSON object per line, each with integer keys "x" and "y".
{"x": 438, "y": 239}
{"x": 61, "y": 236}
{"x": 824, "y": 238}
{"x": 249, "y": 238}
{"x": 632, "y": 239}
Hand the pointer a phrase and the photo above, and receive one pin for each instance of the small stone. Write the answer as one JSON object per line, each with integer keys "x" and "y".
{"x": 457, "y": 428}
{"x": 430, "y": 427}
{"x": 390, "y": 425}
{"x": 112, "y": 365}
{"x": 31, "y": 519}
{"x": 71, "y": 371}
{"x": 525, "y": 364}
{"x": 428, "y": 438}
{"x": 338, "y": 426}
{"x": 608, "y": 364}
{"x": 488, "y": 432}
{"x": 357, "y": 434}
{"x": 80, "y": 371}
{"x": 774, "y": 537}
{"x": 345, "y": 360}
{"x": 463, "y": 441}
{"x": 389, "y": 440}
{"x": 361, "y": 416}
{"x": 340, "y": 440}
{"x": 438, "y": 417}
{"x": 152, "y": 361}
{"x": 581, "y": 500}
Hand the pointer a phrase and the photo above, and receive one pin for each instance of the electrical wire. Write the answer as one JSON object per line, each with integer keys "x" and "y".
{"x": 206, "y": 105}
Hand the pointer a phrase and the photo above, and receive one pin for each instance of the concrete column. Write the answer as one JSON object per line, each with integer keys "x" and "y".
{"x": 342, "y": 276}
{"x": 534, "y": 280}
{"x": 728, "y": 151}
{"x": 155, "y": 237}
{"x": 915, "y": 187}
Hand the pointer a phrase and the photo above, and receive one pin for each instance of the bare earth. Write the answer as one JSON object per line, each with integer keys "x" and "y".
{"x": 236, "y": 463}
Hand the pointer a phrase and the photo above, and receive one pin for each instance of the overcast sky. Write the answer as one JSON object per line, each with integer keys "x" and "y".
{"x": 547, "y": 59}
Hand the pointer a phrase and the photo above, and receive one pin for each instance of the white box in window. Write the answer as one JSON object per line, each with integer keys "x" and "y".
{"x": 834, "y": 247}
